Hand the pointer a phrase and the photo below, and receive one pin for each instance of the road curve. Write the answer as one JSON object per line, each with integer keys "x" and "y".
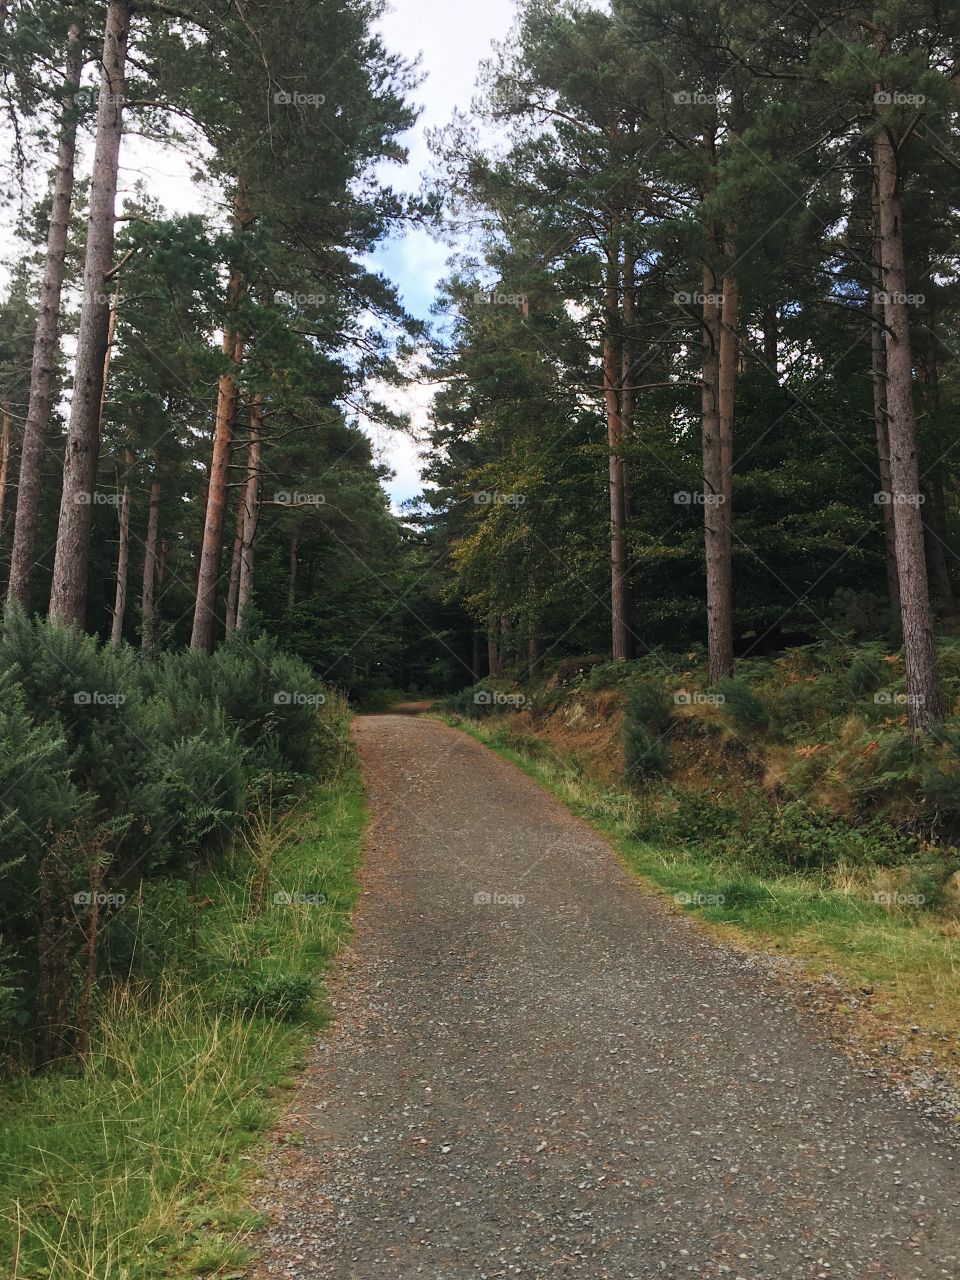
{"x": 538, "y": 1070}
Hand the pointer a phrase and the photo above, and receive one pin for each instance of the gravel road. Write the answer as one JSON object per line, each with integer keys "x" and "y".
{"x": 540, "y": 1070}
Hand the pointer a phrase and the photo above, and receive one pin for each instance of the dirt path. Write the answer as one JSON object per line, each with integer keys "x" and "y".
{"x": 538, "y": 1070}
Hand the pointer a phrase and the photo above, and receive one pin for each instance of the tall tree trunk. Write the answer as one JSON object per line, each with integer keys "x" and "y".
{"x": 251, "y": 511}
{"x": 204, "y": 618}
{"x": 934, "y": 515}
{"x": 878, "y": 369}
{"x": 294, "y": 564}
{"x": 475, "y": 655}
{"x": 628, "y": 374}
{"x": 719, "y": 638}
{"x": 721, "y": 658}
{"x": 535, "y": 652}
{"x": 233, "y": 589}
{"x": 148, "y": 606}
{"x": 123, "y": 555}
{"x": 68, "y": 596}
{"x": 923, "y": 683}
{"x": 493, "y": 649}
{"x": 45, "y": 339}
{"x": 4, "y": 459}
{"x": 612, "y": 387}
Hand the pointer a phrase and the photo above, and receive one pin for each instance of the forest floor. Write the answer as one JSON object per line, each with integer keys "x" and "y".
{"x": 537, "y": 1065}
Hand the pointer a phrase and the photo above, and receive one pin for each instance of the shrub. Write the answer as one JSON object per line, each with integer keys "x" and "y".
{"x": 798, "y": 838}
{"x": 866, "y": 673}
{"x": 647, "y": 720}
{"x": 748, "y": 712}
{"x": 114, "y": 767}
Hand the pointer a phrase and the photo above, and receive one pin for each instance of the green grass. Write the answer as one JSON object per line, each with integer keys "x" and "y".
{"x": 138, "y": 1164}
{"x": 829, "y": 920}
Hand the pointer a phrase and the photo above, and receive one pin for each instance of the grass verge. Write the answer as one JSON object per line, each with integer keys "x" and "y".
{"x": 137, "y": 1165}
{"x": 902, "y": 966}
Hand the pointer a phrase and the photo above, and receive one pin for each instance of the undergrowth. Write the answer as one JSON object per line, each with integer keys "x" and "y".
{"x": 135, "y": 1164}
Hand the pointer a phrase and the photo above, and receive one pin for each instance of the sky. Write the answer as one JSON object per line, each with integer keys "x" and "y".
{"x": 449, "y": 39}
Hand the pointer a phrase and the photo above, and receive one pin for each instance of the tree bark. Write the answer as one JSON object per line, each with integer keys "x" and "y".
{"x": 71, "y": 564}
{"x": 612, "y": 386}
{"x": 535, "y": 653}
{"x": 722, "y": 656}
{"x": 878, "y": 368}
{"x": 233, "y": 589}
{"x": 294, "y": 564}
{"x": 204, "y": 618}
{"x": 923, "y": 685}
{"x": 251, "y": 511}
{"x": 493, "y": 650}
{"x": 46, "y": 337}
{"x": 4, "y": 459}
{"x": 931, "y": 483}
{"x": 123, "y": 555}
{"x": 148, "y": 596}
{"x": 719, "y": 630}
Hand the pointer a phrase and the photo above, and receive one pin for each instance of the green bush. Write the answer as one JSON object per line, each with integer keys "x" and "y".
{"x": 647, "y": 720}
{"x": 866, "y": 673}
{"x": 746, "y": 709}
{"x": 116, "y": 767}
{"x": 796, "y": 837}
